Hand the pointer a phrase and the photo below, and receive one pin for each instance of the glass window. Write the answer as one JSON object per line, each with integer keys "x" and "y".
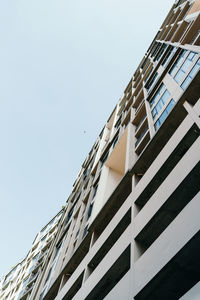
{"x": 165, "y": 96}
{"x": 154, "y": 112}
{"x": 152, "y": 81}
{"x": 170, "y": 106}
{"x": 95, "y": 190}
{"x": 41, "y": 296}
{"x": 48, "y": 275}
{"x": 90, "y": 210}
{"x": 170, "y": 53}
{"x": 195, "y": 69}
{"x": 69, "y": 215}
{"x": 157, "y": 95}
{"x": 179, "y": 76}
{"x": 184, "y": 68}
{"x": 161, "y": 51}
{"x": 186, "y": 65}
{"x": 115, "y": 142}
{"x": 191, "y": 75}
{"x": 85, "y": 231}
{"x": 118, "y": 123}
{"x": 178, "y": 63}
{"x": 164, "y": 114}
{"x": 104, "y": 159}
{"x": 160, "y": 104}
{"x": 192, "y": 56}
{"x": 186, "y": 82}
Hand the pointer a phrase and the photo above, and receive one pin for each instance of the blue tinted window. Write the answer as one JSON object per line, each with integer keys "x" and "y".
{"x": 164, "y": 114}
{"x": 177, "y": 64}
{"x": 192, "y": 56}
{"x": 157, "y": 95}
{"x": 164, "y": 98}
{"x": 184, "y": 68}
{"x": 186, "y": 65}
{"x": 186, "y": 82}
{"x": 179, "y": 76}
{"x": 191, "y": 75}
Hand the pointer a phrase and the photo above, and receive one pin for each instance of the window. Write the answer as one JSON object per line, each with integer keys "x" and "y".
{"x": 178, "y": 63}
{"x": 85, "y": 173}
{"x": 48, "y": 275}
{"x": 156, "y": 49}
{"x": 43, "y": 232}
{"x": 141, "y": 135}
{"x": 157, "y": 95}
{"x": 163, "y": 100}
{"x": 77, "y": 233}
{"x": 152, "y": 81}
{"x": 9, "y": 277}
{"x": 144, "y": 63}
{"x": 85, "y": 231}
{"x": 95, "y": 191}
{"x": 178, "y": 76}
{"x": 90, "y": 210}
{"x": 57, "y": 249}
{"x": 115, "y": 142}
{"x": 69, "y": 215}
{"x": 169, "y": 54}
{"x": 191, "y": 75}
{"x": 41, "y": 295}
{"x": 161, "y": 51}
{"x": 104, "y": 159}
{"x": 164, "y": 114}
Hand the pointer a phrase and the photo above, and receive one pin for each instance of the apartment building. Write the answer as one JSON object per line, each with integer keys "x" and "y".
{"x": 22, "y": 278}
{"x": 131, "y": 226}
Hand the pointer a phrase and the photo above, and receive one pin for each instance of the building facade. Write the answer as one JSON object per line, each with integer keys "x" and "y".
{"x": 22, "y": 279}
{"x": 131, "y": 226}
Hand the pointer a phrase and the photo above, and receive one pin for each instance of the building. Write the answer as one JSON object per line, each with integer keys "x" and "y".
{"x": 131, "y": 226}
{"x": 22, "y": 278}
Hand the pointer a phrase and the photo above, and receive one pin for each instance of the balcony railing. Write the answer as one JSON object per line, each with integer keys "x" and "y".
{"x": 140, "y": 123}
{"x": 141, "y": 136}
{"x": 138, "y": 108}
{"x": 25, "y": 292}
{"x": 32, "y": 278}
{"x": 195, "y": 37}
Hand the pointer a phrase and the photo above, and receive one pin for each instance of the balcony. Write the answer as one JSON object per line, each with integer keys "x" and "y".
{"x": 36, "y": 267}
{"x": 142, "y": 140}
{"x": 127, "y": 117}
{"x": 26, "y": 292}
{"x": 141, "y": 136}
{"x": 139, "y": 114}
{"x": 139, "y": 97}
{"x": 5, "y": 284}
{"x": 139, "y": 107}
{"x": 196, "y": 38}
{"x": 139, "y": 125}
{"x": 31, "y": 280}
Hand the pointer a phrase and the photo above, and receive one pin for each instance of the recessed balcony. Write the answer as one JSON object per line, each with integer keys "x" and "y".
{"x": 141, "y": 112}
{"x": 141, "y": 125}
{"x": 142, "y": 140}
{"x": 138, "y": 98}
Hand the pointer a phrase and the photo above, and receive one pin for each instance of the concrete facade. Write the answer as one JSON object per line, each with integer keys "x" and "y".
{"x": 22, "y": 279}
{"x": 131, "y": 226}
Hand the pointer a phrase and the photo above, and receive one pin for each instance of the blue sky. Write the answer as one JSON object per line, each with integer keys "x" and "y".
{"x": 63, "y": 66}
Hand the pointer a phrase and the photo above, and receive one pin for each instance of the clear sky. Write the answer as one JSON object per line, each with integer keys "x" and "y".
{"x": 63, "y": 66}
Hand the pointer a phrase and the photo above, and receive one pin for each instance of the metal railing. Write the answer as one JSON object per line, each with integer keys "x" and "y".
{"x": 140, "y": 123}
{"x": 141, "y": 136}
